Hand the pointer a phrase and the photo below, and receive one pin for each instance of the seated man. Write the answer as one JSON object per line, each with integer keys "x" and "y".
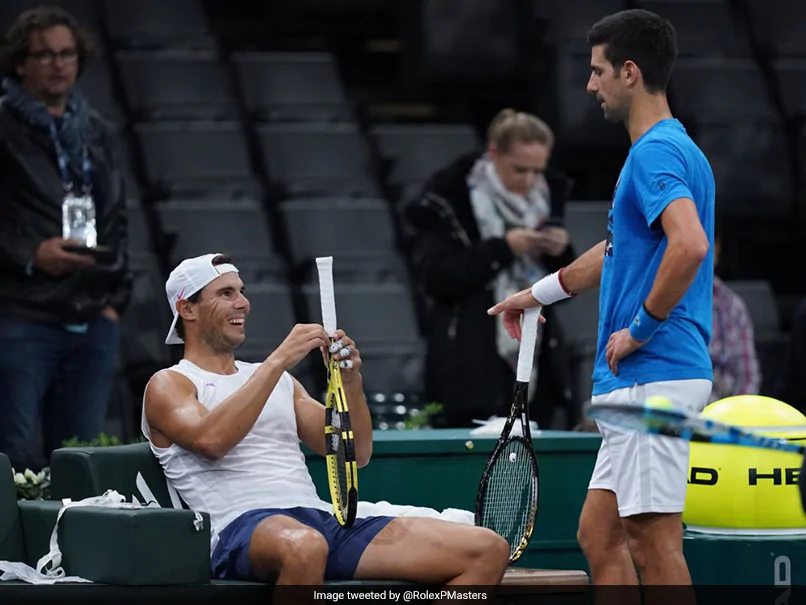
{"x": 227, "y": 436}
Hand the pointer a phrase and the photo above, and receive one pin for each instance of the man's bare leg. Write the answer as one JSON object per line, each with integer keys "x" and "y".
{"x": 656, "y": 543}
{"x": 602, "y": 537}
{"x": 290, "y": 552}
{"x": 432, "y": 551}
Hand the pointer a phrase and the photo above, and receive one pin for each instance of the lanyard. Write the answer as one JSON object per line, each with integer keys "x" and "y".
{"x": 61, "y": 156}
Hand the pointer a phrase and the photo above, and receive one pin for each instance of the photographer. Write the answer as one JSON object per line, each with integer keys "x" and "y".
{"x": 59, "y": 309}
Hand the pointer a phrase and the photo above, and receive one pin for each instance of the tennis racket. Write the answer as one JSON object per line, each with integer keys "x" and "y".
{"x": 507, "y": 498}
{"x": 342, "y": 470}
{"x": 675, "y": 423}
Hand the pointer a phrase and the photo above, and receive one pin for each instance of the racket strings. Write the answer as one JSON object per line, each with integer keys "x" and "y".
{"x": 508, "y": 506}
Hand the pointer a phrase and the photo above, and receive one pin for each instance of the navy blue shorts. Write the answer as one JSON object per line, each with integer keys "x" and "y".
{"x": 230, "y": 560}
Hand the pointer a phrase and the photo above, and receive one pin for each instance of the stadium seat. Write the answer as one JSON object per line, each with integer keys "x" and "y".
{"x": 207, "y": 159}
{"x": 372, "y": 314}
{"x": 580, "y": 119}
{"x": 358, "y": 233}
{"x": 724, "y": 35}
{"x": 415, "y": 151}
{"x": 791, "y": 75}
{"x": 280, "y": 87}
{"x": 586, "y": 223}
{"x": 139, "y": 233}
{"x": 157, "y": 24}
{"x": 84, "y": 12}
{"x": 579, "y": 319}
{"x": 238, "y": 228}
{"x": 759, "y": 297}
{"x": 779, "y": 24}
{"x": 176, "y": 85}
{"x": 131, "y": 182}
{"x": 270, "y": 319}
{"x": 392, "y": 369}
{"x": 751, "y": 165}
{"x": 145, "y": 323}
{"x": 713, "y": 88}
{"x": 771, "y": 341}
{"x": 96, "y": 85}
{"x": 317, "y": 159}
{"x": 570, "y": 21}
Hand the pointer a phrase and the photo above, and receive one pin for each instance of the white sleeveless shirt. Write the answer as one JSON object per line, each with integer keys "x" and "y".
{"x": 266, "y": 469}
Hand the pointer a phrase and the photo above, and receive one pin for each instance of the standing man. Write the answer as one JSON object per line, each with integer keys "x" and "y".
{"x": 655, "y": 273}
{"x": 59, "y": 309}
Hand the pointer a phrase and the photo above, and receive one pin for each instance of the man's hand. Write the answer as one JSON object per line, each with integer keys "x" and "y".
{"x": 618, "y": 347}
{"x": 512, "y": 308}
{"x": 344, "y": 350}
{"x": 51, "y": 258}
{"x": 110, "y": 313}
{"x": 302, "y": 339}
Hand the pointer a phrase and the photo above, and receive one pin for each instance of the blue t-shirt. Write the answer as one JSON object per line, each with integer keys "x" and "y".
{"x": 663, "y": 165}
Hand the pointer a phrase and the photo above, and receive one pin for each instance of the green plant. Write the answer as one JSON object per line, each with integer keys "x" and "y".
{"x": 31, "y": 485}
{"x": 419, "y": 419}
{"x": 102, "y": 440}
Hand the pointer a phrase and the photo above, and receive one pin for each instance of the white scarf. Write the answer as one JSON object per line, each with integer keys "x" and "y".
{"x": 496, "y": 210}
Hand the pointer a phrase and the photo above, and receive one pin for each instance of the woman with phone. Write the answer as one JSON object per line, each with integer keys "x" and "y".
{"x": 487, "y": 225}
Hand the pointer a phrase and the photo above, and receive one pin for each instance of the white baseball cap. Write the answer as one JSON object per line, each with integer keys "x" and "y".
{"x": 190, "y": 276}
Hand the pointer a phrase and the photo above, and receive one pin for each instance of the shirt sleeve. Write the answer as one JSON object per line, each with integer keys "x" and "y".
{"x": 659, "y": 177}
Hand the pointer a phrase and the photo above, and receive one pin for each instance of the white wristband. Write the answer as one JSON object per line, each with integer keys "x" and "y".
{"x": 550, "y": 290}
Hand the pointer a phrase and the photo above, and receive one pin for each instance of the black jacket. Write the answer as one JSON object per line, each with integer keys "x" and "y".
{"x": 453, "y": 269}
{"x": 31, "y": 196}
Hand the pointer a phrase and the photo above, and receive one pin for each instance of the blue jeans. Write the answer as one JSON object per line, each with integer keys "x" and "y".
{"x": 59, "y": 378}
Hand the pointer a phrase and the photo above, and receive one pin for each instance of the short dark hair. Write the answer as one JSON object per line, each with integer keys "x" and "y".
{"x": 221, "y": 259}
{"x": 43, "y": 17}
{"x": 642, "y": 37}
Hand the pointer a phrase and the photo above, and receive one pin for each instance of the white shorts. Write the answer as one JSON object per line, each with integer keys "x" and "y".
{"x": 648, "y": 473}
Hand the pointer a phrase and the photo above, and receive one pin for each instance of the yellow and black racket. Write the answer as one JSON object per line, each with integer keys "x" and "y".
{"x": 342, "y": 470}
{"x": 508, "y": 494}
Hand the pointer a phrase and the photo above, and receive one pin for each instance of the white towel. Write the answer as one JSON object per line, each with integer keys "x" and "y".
{"x": 495, "y": 425}
{"x": 384, "y": 508}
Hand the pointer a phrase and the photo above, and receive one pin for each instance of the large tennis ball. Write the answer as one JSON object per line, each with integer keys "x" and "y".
{"x": 740, "y": 489}
{"x": 659, "y": 402}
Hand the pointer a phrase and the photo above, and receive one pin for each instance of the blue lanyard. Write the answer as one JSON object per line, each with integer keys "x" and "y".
{"x": 61, "y": 156}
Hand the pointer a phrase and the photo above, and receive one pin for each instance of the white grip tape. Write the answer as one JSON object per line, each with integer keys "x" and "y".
{"x": 327, "y": 296}
{"x": 526, "y": 354}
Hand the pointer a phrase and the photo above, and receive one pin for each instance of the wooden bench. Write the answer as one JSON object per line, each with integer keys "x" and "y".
{"x": 517, "y": 576}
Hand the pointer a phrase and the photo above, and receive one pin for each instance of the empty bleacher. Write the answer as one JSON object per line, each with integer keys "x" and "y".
{"x": 278, "y": 150}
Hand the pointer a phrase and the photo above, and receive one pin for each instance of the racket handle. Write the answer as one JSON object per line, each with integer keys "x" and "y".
{"x": 526, "y": 354}
{"x": 324, "y": 264}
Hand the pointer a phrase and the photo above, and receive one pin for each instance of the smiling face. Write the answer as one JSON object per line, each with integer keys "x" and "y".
{"x": 610, "y": 86}
{"x": 49, "y": 70}
{"x": 519, "y": 167}
{"x": 218, "y": 319}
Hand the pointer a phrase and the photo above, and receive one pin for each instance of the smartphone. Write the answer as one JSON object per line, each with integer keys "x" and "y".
{"x": 550, "y": 222}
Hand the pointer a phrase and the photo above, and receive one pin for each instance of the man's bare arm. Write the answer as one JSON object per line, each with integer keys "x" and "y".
{"x": 585, "y": 272}
{"x": 174, "y": 412}
{"x": 582, "y": 274}
{"x": 686, "y": 249}
{"x": 360, "y": 418}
